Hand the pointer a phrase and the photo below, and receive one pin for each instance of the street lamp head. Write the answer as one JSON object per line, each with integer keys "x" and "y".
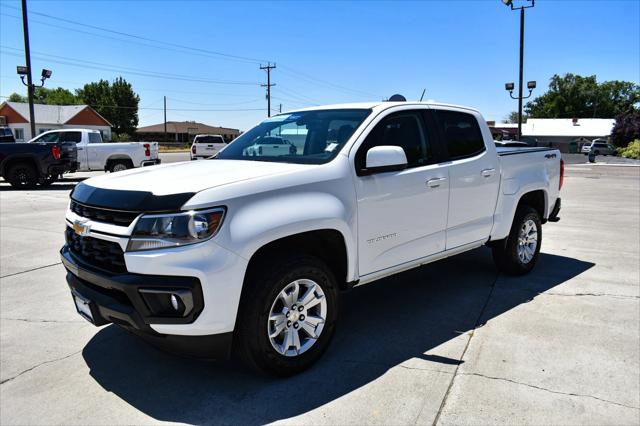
{"x": 507, "y": 2}
{"x": 509, "y": 86}
{"x": 531, "y": 85}
{"x": 46, "y": 73}
{"x": 22, "y": 70}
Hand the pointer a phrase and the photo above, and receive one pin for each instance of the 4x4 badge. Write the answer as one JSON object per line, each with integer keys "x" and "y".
{"x": 81, "y": 228}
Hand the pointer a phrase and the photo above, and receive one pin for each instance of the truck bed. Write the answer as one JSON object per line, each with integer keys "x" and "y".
{"x": 502, "y": 151}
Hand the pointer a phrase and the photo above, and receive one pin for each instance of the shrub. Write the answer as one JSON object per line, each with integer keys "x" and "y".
{"x": 631, "y": 151}
{"x": 121, "y": 137}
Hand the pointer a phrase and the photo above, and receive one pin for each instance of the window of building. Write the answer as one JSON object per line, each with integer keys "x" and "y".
{"x": 18, "y": 133}
{"x": 404, "y": 129}
{"x": 461, "y": 132}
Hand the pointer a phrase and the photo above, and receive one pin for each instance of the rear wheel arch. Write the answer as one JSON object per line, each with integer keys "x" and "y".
{"x": 538, "y": 200}
{"x": 10, "y": 162}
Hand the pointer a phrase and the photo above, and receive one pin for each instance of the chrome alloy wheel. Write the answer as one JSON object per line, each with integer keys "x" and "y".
{"x": 297, "y": 317}
{"x": 527, "y": 241}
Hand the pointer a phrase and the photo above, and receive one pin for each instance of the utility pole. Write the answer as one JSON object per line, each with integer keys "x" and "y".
{"x": 268, "y": 67}
{"x": 165, "y": 118}
{"x": 27, "y": 54}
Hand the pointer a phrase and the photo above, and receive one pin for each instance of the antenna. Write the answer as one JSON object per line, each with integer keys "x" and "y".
{"x": 422, "y": 96}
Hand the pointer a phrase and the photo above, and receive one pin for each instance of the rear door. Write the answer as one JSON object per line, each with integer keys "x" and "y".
{"x": 402, "y": 215}
{"x": 473, "y": 175}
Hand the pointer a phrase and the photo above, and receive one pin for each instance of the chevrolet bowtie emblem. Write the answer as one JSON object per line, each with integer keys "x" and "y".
{"x": 81, "y": 228}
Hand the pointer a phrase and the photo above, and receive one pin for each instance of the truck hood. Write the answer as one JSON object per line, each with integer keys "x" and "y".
{"x": 191, "y": 176}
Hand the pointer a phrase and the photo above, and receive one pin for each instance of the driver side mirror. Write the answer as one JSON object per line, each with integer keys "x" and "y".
{"x": 385, "y": 158}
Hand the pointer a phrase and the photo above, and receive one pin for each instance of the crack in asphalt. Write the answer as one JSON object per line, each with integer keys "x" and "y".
{"x": 30, "y": 270}
{"x": 455, "y": 372}
{"x": 550, "y": 390}
{"x": 40, "y": 364}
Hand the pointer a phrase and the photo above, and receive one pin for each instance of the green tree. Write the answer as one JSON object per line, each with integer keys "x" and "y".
{"x": 44, "y": 95}
{"x": 575, "y": 96}
{"x": 626, "y": 129}
{"x": 116, "y": 102}
{"x": 16, "y": 97}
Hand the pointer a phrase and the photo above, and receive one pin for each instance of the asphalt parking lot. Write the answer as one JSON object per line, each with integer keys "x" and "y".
{"x": 450, "y": 343}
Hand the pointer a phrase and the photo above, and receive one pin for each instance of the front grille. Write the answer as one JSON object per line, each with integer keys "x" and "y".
{"x": 101, "y": 254}
{"x": 114, "y": 217}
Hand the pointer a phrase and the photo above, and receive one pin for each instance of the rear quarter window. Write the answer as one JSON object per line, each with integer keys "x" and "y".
{"x": 461, "y": 133}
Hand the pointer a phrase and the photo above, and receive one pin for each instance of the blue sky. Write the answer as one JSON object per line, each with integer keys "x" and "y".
{"x": 326, "y": 52}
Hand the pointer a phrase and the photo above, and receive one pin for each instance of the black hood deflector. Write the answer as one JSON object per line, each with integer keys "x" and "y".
{"x": 136, "y": 201}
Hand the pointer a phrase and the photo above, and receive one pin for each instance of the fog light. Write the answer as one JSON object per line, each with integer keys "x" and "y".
{"x": 174, "y": 302}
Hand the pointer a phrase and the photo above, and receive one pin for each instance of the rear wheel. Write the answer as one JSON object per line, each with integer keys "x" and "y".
{"x": 519, "y": 252}
{"x": 23, "y": 176}
{"x": 119, "y": 165}
{"x": 288, "y": 315}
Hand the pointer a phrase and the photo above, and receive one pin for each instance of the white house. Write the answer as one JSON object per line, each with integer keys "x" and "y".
{"x": 15, "y": 115}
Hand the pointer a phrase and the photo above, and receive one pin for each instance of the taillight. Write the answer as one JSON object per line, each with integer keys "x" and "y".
{"x": 147, "y": 150}
{"x": 193, "y": 149}
{"x": 55, "y": 150}
{"x": 561, "y": 174}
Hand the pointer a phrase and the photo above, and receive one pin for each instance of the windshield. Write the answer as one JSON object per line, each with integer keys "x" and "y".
{"x": 307, "y": 137}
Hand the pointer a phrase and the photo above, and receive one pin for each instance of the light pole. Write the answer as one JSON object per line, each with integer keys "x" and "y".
{"x": 25, "y": 71}
{"x": 532, "y": 84}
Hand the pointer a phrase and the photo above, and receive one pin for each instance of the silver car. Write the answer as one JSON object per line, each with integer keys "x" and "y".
{"x": 599, "y": 147}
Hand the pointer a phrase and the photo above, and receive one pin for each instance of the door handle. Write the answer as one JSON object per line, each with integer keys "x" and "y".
{"x": 488, "y": 172}
{"x": 435, "y": 182}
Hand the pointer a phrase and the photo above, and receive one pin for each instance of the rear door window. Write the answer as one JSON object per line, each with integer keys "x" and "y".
{"x": 75, "y": 137}
{"x": 95, "y": 138}
{"x": 461, "y": 133}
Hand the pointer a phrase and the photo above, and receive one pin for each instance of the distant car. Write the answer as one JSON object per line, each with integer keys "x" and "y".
{"x": 6, "y": 135}
{"x": 270, "y": 146}
{"x": 599, "y": 147}
{"x": 511, "y": 144}
{"x": 204, "y": 146}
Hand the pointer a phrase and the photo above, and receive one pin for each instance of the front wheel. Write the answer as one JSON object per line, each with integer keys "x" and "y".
{"x": 519, "y": 252}
{"x": 288, "y": 315}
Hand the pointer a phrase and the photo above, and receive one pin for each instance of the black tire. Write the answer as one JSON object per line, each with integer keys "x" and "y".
{"x": 505, "y": 252}
{"x": 597, "y": 153}
{"x": 23, "y": 176}
{"x": 117, "y": 164}
{"x": 261, "y": 289}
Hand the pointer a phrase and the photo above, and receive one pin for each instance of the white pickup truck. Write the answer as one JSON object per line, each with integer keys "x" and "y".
{"x": 94, "y": 154}
{"x": 251, "y": 252}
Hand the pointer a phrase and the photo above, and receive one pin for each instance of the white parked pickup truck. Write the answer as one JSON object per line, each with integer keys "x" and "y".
{"x": 94, "y": 154}
{"x": 251, "y": 252}
{"x": 205, "y": 146}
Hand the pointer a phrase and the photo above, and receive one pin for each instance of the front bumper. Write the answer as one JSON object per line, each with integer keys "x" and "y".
{"x": 119, "y": 299}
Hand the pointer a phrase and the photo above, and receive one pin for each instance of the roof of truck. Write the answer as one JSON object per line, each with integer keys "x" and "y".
{"x": 380, "y": 105}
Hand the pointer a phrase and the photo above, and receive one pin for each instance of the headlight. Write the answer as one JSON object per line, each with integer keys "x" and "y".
{"x": 172, "y": 230}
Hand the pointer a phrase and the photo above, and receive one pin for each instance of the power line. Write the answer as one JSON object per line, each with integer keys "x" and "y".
{"x": 170, "y": 109}
{"x": 135, "y": 36}
{"x": 125, "y": 70}
{"x": 312, "y": 79}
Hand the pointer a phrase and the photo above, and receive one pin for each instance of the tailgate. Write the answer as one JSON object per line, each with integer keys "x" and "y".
{"x": 153, "y": 147}
{"x": 68, "y": 151}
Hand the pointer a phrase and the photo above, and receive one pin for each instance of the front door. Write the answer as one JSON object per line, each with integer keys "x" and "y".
{"x": 402, "y": 215}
